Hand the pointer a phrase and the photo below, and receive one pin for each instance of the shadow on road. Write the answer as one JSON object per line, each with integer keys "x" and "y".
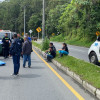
{"x": 18, "y": 77}
{"x": 36, "y": 67}
{"x": 29, "y": 76}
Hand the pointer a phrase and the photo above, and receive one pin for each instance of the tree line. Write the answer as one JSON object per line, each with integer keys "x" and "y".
{"x": 70, "y": 18}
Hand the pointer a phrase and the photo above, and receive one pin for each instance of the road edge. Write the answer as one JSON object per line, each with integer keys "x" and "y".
{"x": 86, "y": 85}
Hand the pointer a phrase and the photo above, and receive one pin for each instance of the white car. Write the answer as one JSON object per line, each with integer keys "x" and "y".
{"x": 94, "y": 52}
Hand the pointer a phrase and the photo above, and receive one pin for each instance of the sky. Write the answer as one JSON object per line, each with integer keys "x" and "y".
{"x": 1, "y": 0}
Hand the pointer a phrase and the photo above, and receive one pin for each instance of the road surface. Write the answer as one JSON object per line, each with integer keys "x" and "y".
{"x": 38, "y": 83}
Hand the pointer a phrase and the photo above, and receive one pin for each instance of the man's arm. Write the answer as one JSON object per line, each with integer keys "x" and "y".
{"x": 23, "y": 48}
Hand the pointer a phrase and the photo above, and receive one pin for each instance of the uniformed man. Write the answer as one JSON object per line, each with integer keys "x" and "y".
{"x": 6, "y": 44}
{"x": 20, "y": 38}
{"x": 21, "y": 41}
{"x": 15, "y": 51}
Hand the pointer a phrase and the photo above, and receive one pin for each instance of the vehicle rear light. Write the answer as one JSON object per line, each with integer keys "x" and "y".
{"x": 99, "y": 49}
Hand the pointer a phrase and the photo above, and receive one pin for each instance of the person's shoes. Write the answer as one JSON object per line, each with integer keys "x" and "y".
{"x": 29, "y": 66}
{"x": 17, "y": 74}
{"x": 5, "y": 57}
{"x": 14, "y": 75}
{"x": 61, "y": 55}
{"x": 23, "y": 66}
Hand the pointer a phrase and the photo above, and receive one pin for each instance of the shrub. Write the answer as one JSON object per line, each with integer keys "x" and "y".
{"x": 45, "y": 44}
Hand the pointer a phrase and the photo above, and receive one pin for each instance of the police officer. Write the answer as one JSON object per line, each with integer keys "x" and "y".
{"x": 15, "y": 51}
{"x": 20, "y": 38}
{"x": 21, "y": 41}
{"x": 6, "y": 44}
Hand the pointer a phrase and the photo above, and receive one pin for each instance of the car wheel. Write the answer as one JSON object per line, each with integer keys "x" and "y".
{"x": 93, "y": 58}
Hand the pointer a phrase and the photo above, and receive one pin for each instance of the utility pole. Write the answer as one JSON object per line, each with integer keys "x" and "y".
{"x": 24, "y": 21}
{"x": 43, "y": 21}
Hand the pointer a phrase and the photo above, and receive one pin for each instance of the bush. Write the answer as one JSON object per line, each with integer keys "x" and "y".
{"x": 58, "y": 38}
{"x": 45, "y": 44}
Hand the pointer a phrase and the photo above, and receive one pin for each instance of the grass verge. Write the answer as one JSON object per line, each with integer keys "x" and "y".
{"x": 72, "y": 41}
{"x": 87, "y": 71}
{"x": 36, "y": 44}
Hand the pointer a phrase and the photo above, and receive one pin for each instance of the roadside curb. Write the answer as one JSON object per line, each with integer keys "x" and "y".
{"x": 86, "y": 85}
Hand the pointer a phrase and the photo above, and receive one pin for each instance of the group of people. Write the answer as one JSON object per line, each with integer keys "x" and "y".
{"x": 16, "y": 48}
{"x": 20, "y": 47}
{"x": 51, "y": 52}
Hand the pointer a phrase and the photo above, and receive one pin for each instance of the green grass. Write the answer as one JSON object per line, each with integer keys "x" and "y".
{"x": 79, "y": 42}
{"x": 87, "y": 71}
{"x": 72, "y": 41}
{"x": 36, "y": 44}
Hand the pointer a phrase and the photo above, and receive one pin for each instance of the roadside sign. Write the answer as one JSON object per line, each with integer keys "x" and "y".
{"x": 53, "y": 34}
{"x": 30, "y": 31}
{"x": 38, "y": 29}
{"x": 97, "y": 33}
{"x": 23, "y": 33}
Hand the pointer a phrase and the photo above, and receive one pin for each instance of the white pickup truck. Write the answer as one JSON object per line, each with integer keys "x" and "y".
{"x": 94, "y": 52}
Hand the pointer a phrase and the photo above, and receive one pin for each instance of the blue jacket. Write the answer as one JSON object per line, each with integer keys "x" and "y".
{"x": 16, "y": 47}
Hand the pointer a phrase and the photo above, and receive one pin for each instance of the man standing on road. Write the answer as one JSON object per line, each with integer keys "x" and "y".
{"x": 26, "y": 50}
{"x": 21, "y": 41}
{"x": 6, "y": 43}
{"x": 20, "y": 38}
{"x": 15, "y": 51}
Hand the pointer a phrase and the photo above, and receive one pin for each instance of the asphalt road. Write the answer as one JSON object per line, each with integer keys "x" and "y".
{"x": 37, "y": 83}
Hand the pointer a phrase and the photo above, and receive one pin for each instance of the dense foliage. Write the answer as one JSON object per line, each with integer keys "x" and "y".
{"x": 78, "y": 19}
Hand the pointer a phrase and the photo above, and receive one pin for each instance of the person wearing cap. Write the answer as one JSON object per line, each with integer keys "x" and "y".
{"x": 6, "y": 45}
{"x": 51, "y": 54}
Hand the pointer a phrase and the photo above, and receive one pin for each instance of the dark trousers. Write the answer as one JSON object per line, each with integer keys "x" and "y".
{"x": 16, "y": 62}
{"x": 6, "y": 53}
{"x": 49, "y": 57}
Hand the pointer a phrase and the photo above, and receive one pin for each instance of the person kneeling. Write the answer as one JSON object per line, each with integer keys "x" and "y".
{"x": 64, "y": 50}
{"x": 51, "y": 54}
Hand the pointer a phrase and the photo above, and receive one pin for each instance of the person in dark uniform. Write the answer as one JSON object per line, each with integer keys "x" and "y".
{"x": 15, "y": 51}
{"x": 21, "y": 41}
{"x": 6, "y": 44}
{"x": 20, "y": 38}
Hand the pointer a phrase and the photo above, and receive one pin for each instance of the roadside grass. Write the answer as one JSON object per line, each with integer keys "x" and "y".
{"x": 36, "y": 44}
{"x": 72, "y": 41}
{"x": 79, "y": 43}
{"x": 86, "y": 71}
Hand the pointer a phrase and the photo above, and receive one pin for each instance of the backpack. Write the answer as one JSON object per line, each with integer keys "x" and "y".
{"x": 16, "y": 48}
{"x": 54, "y": 49}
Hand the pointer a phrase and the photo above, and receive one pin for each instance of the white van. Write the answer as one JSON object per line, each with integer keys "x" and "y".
{"x": 2, "y": 34}
{"x": 94, "y": 52}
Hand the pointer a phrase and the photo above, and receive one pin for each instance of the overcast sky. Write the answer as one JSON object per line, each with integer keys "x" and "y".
{"x": 1, "y": 0}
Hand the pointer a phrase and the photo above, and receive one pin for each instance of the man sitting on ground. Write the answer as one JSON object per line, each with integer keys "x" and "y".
{"x": 51, "y": 45}
{"x": 51, "y": 54}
